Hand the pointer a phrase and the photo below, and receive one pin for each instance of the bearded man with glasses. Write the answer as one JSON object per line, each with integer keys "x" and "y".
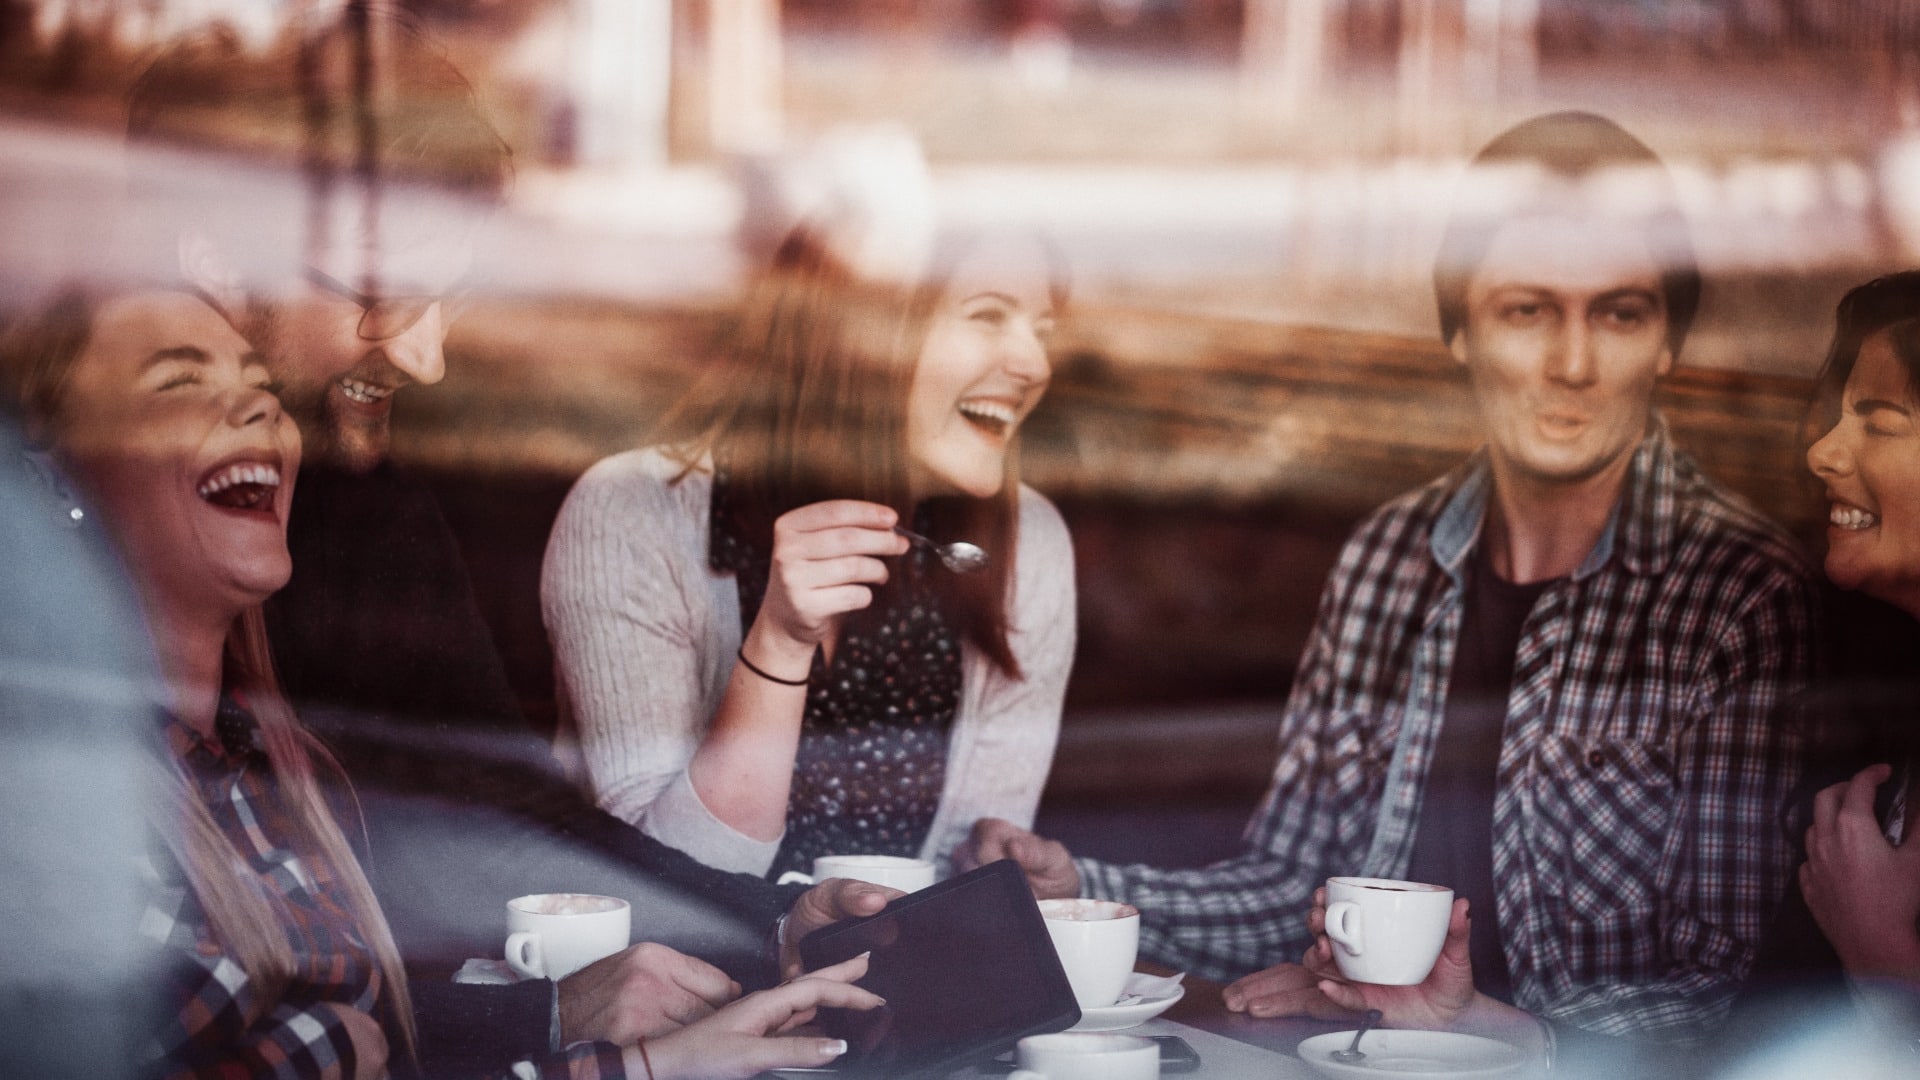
{"x": 346, "y": 281}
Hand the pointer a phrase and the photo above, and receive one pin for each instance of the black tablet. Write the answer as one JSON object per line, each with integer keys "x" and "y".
{"x": 966, "y": 967}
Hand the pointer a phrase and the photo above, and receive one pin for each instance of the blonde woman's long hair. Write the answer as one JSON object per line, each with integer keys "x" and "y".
{"x": 237, "y": 908}
{"x": 36, "y": 355}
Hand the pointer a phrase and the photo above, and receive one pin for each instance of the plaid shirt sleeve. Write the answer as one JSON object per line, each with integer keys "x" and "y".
{"x": 1250, "y": 912}
{"x": 222, "y": 1024}
{"x": 309, "y": 1042}
{"x": 1724, "y": 860}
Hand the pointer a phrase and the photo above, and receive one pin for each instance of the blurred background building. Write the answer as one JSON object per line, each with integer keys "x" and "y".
{"x": 1249, "y": 192}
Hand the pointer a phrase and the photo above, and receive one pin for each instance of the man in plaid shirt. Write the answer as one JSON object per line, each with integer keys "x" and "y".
{"x": 1547, "y": 680}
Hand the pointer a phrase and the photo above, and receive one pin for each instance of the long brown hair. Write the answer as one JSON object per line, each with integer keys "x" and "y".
{"x": 36, "y": 356}
{"x": 807, "y": 401}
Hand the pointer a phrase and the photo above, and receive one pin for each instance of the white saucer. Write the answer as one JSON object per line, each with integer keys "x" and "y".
{"x": 1128, "y": 1011}
{"x": 1440, "y": 1055}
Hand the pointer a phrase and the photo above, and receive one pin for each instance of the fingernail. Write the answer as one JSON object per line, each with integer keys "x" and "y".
{"x": 833, "y": 1048}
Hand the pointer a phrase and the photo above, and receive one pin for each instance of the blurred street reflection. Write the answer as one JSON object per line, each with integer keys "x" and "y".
{"x": 1249, "y": 194}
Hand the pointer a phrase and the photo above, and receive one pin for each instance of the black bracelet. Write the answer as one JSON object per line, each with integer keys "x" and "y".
{"x": 751, "y": 666}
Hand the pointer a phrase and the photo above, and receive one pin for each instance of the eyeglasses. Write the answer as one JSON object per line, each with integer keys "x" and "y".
{"x": 384, "y": 317}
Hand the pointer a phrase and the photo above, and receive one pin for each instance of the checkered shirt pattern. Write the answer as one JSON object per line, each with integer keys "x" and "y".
{"x": 220, "y": 1027}
{"x": 1637, "y": 855}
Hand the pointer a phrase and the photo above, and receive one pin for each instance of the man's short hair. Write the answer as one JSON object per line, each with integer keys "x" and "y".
{"x": 1586, "y": 153}
{"x": 341, "y": 126}
{"x": 419, "y": 121}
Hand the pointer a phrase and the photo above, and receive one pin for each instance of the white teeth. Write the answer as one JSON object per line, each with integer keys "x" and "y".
{"x": 1851, "y": 518}
{"x": 994, "y": 411}
{"x": 364, "y": 393}
{"x": 239, "y": 472}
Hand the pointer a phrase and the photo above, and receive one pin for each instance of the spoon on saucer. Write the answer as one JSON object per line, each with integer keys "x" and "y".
{"x": 1352, "y": 1053}
{"x": 959, "y": 556}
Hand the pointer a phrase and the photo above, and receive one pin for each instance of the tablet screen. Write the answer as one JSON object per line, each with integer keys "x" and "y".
{"x": 966, "y": 968}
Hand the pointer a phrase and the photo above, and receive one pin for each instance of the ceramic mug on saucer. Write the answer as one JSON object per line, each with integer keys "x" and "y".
{"x": 553, "y": 935}
{"x": 893, "y": 871}
{"x": 1097, "y": 941}
{"x": 1384, "y": 931}
{"x": 1075, "y": 1055}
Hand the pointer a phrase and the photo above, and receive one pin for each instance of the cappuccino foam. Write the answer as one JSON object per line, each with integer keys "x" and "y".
{"x": 1088, "y": 910}
{"x": 568, "y": 904}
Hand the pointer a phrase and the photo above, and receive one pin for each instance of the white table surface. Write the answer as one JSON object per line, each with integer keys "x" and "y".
{"x": 1222, "y": 1058}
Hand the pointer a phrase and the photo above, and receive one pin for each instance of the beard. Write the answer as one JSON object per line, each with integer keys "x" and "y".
{"x": 264, "y": 326}
{"x": 331, "y": 428}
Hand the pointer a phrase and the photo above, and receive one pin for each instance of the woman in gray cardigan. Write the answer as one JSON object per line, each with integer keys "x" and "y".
{"x": 759, "y": 668}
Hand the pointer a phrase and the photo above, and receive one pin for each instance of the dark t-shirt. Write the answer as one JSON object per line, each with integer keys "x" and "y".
{"x": 383, "y": 653}
{"x": 1453, "y": 845}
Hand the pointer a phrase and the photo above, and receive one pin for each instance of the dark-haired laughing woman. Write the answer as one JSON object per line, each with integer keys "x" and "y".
{"x": 759, "y": 668}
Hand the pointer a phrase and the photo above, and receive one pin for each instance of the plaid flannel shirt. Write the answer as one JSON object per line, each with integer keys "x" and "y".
{"x": 220, "y": 1028}
{"x": 1637, "y": 855}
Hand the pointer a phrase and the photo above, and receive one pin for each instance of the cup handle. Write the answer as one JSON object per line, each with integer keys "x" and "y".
{"x": 795, "y": 877}
{"x": 524, "y": 955}
{"x": 1343, "y": 925}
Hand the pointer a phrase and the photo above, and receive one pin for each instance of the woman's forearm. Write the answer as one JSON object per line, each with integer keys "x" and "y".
{"x": 743, "y": 768}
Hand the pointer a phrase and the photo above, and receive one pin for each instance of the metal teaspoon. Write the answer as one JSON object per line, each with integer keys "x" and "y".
{"x": 959, "y": 556}
{"x": 1352, "y": 1053}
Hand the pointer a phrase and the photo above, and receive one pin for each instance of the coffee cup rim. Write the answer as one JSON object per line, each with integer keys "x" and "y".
{"x": 520, "y": 904}
{"x": 1121, "y": 911}
{"x": 902, "y": 861}
{"x": 1089, "y": 1042}
{"x": 1389, "y": 885}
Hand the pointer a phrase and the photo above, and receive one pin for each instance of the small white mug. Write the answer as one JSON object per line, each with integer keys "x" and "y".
{"x": 893, "y": 871}
{"x": 553, "y": 935}
{"x": 1086, "y": 1055}
{"x": 1387, "y": 932}
{"x": 1097, "y": 941}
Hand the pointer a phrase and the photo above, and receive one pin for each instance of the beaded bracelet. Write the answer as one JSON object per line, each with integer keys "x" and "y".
{"x": 755, "y": 668}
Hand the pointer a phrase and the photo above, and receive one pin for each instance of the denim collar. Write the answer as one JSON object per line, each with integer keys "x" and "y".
{"x": 1641, "y": 525}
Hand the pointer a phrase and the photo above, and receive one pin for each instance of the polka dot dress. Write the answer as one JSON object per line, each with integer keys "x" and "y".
{"x": 873, "y": 741}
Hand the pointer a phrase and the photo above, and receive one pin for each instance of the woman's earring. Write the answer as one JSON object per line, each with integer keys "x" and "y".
{"x": 41, "y": 467}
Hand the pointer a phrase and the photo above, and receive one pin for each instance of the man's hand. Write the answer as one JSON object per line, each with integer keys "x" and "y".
{"x": 823, "y": 905}
{"x": 1049, "y": 866}
{"x": 1436, "y": 1004}
{"x": 1863, "y": 891}
{"x": 645, "y": 991}
{"x": 1283, "y": 990}
{"x": 1445, "y": 1001}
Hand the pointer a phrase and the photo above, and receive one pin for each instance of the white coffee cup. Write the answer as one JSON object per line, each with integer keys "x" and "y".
{"x": 893, "y": 871}
{"x": 1086, "y": 1055}
{"x": 1387, "y": 932}
{"x": 553, "y": 935}
{"x": 1097, "y": 941}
